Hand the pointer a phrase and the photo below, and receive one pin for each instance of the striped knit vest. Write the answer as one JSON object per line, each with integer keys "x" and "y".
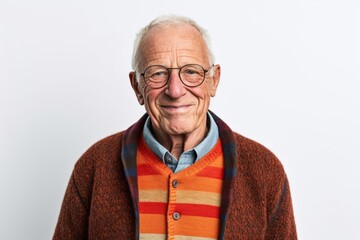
{"x": 179, "y": 205}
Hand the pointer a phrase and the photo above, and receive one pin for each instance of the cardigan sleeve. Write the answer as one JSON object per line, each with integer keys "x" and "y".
{"x": 280, "y": 220}
{"x": 74, "y": 214}
{"x": 260, "y": 204}
{"x": 97, "y": 202}
{"x": 73, "y": 218}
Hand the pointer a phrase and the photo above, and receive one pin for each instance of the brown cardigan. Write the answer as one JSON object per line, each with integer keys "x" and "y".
{"x": 98, "y": 203}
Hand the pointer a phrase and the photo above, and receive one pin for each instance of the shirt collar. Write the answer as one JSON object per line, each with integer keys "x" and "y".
{"x": 201, "y": 149}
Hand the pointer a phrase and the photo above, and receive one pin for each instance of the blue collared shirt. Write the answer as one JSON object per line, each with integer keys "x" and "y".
{"x": 186, "y": 158}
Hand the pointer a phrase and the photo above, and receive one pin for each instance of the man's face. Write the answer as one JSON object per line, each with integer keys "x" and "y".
{"x": 176, "y": 109}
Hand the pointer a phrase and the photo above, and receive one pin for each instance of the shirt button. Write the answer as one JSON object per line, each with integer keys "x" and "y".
{"x": 175, "y": 183}
{"x": 168, "y": 159}
{"x": 176, "y": 216}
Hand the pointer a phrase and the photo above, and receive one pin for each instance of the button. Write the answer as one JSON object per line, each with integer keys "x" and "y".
{"x": 175, "y": 183}
{"x": 176, "y": 216}
{"x": 168, "y": 159}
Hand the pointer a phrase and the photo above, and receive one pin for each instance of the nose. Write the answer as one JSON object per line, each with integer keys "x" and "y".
{"x": 175, "y": 88}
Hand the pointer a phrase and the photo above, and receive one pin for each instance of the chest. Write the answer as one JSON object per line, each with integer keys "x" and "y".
{"x": 185, "y": 204}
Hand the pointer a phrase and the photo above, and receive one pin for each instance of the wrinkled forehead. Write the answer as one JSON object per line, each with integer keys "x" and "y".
{"x": 167, "y": 38}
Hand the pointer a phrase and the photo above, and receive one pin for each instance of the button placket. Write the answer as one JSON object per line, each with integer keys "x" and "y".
{"x": 173, "y": 215}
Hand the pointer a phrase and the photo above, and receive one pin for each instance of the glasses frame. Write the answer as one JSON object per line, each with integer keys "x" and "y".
{"x": 169, "y": 71}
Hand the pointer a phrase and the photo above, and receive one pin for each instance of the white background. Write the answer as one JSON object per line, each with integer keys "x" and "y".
{"x": 290, "y": 80}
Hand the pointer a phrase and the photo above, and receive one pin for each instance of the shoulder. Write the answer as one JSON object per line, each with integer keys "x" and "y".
{"x": 256, "y": 159}
{"x": 108, "y": 146}
{"x": 103, "y": 151}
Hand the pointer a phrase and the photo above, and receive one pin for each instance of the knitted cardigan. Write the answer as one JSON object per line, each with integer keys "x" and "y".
{"x": 101, "y": 200}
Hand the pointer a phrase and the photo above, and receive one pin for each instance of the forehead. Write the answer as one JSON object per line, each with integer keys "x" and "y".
{"x": 173, "y": 41}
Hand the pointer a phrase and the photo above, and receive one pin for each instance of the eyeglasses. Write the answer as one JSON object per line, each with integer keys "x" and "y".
{"x": 191, "y": 75}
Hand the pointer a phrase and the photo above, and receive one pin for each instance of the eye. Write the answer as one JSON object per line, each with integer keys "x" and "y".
{"x": 159, "y": 75}
{"x": 156, "y": 72}
{"x": 191, "y": 71}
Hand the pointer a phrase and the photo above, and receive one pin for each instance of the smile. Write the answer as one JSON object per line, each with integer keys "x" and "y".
{"x": 175, "y": 109}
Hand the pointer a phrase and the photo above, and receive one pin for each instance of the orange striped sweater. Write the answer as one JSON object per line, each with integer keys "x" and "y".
{"x": 179, "y": 205}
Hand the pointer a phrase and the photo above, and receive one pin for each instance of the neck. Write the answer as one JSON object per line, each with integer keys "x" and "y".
{"x": 179, "y": 143}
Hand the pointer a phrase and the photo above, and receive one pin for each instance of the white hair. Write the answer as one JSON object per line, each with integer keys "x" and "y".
{"x": 166, "y": 20}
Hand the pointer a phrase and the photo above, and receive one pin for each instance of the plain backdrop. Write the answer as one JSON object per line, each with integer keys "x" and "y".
{"x": 290, "y": 80}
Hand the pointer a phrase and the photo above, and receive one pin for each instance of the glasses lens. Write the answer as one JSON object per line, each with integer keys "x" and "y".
{"x": 156, "y": 76}
{"x": 192, "y": 74}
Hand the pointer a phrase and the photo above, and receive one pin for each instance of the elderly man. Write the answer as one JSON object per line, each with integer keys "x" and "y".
{"x": 179, "y": 172}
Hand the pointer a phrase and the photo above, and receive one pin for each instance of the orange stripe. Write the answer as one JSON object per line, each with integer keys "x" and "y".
{"x": 209, "y": 185}
{"x": 147, "y": 223}
{"x": 218, "y": 162}
{"x": 153, "y": 182}
{"x": 205, "y": 227}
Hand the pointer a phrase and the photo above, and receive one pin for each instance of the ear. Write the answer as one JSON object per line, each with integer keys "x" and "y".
{"x": 215, "y": 79}
{"x": 136, "y": 87}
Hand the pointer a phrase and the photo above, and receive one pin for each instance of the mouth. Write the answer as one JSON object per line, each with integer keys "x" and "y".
{"x": 176, "y": 108}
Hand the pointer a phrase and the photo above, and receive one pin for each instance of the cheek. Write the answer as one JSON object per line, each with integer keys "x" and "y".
{"x": 202, "y": 94}
{"x": 151, "y": 96}
{"x": 147, "y": 93}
